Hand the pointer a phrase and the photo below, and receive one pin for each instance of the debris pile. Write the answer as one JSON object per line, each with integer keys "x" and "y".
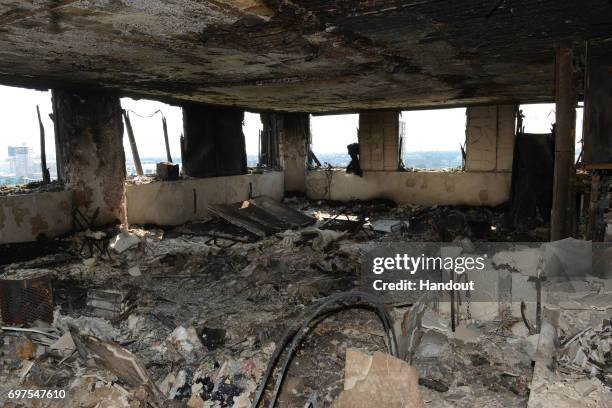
{"x": 589, "y": 352}
{"x": 213, "y": 314}
{"x": 33, "y": 187}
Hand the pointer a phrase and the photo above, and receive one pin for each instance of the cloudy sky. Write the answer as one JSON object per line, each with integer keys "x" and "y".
{"x": 425, "y": 130}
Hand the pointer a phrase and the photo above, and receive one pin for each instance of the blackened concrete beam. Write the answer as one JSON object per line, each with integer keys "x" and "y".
{"x": 561, "y": 224}
{"x": 294, "y": 143}
{"x": 213, "y": 143}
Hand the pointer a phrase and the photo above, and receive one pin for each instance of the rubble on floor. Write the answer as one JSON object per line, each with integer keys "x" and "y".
{"x": 192, "y": 315}
{"x": 30, "y": 188}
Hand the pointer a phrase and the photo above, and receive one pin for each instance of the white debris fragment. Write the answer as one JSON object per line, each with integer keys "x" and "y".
{"x": 64, "y": 343}
{"x": 97, "y": 235}
{"x": 124, "y": 241}
{"x": 325, "y": 238}
{"x": 89, "y": 262}
{"x": 186, "y": 342}
{"x": 95, "y": 326}
{"x": 134, "y": 271}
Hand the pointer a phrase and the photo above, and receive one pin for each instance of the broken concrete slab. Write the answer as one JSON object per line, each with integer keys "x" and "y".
{"x": 378, "y": 380}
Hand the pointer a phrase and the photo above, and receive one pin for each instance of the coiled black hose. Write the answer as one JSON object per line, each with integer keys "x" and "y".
{"x": 295, "y": 334}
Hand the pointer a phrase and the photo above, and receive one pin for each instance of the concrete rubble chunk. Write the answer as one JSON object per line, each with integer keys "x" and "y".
{"x": 380, "y": 380}
{"x": 64, "y": 343}
{"x": 134, "y": 271}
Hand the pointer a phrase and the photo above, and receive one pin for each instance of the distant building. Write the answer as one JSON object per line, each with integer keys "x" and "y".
{"x": 20, "y": 160}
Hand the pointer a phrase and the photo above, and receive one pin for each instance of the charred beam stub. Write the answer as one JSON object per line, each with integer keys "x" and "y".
{"x": 213, "y": 144}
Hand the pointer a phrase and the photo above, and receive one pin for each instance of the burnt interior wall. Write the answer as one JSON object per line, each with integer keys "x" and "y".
{"x": 213, "y": 143}
{"x": 598, "y": 113}
{"x": 532, "y": 181}
{"x": 269, "y": 154}
{"x": 379, "y": 146}
{"x": 294, "y": 142}
{"x": 90, "y": 140}
{"x": 490, "y": 137}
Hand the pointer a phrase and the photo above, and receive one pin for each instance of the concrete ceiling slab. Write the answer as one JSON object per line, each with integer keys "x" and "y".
{"x": 301, "y": 55}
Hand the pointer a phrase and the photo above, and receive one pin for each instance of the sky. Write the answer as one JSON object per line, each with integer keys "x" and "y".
{"x": 426, "y": 130}
{"x": 431, "y": 130}
{"x": 18, "y": 122}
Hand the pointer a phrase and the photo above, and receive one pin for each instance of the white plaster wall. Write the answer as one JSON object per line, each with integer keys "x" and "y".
{"x": 24, "y": 217}
{"x": 425, "y": 188}
{"x": 379, "y": 140}
{"x": 481, "y": 138}
{"x": 490, "y": 137}
{"x": 177, "y": 202}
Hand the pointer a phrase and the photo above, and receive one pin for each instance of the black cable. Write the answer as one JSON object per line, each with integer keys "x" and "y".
{"x": 328, "y": 306}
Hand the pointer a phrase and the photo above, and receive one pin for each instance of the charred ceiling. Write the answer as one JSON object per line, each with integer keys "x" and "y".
{"x": 301, "y": 55}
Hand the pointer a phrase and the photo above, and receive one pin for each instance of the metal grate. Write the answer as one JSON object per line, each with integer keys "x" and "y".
{"x": 26, "y": 300}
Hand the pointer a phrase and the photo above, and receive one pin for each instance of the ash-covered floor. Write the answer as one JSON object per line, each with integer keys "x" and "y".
{"x": 202, "y": 307}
